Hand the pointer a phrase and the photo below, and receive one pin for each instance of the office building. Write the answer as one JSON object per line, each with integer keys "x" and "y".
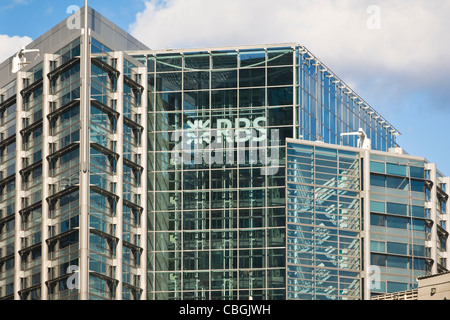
{"x": 73, "y": 164}
{"x": 361, "y": 222}
{"x": 131, "y": 173}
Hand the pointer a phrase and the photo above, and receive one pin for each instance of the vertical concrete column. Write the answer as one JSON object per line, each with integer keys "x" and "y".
{"x": 365, "y": 203}
{"x": 433, "y": 212}
{"x": 119, "y": 175}
{"x": 143, "y": 190}
{"x": 45, "y": 222}
{"x": 446, "y": 180}
{"x": 84, "y": 165}
{"x": 18, "y": 273}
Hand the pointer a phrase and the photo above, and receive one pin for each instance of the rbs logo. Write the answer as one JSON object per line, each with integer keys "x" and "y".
{"x": 199, "y": 130}
{"x": 198, "y": 143}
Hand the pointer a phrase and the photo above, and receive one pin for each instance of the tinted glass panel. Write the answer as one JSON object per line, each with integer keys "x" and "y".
{"x": 279, "y": 57}
{"x": 224, "y": 60}
{"x": 252, "y": 77}
{"x": 279, "y": 76}
{"x": 253, "y": 58}
{"x": 196, "y": 61}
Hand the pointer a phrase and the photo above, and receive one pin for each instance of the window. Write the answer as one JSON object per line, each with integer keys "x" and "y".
{"x": 397, "y": 248}
{"x": 397, "y": 183}
{"x": 377, "y": 220}
{"x": 396, "y": 169}
{"x": 377, "y": 246}
{"x": 378, "y": 259}
{"x": 377, "y": 167}
{"x": 397, "y": 223}
{"x": 377, "y": 181}
{"x": 398, "y": 262}
{"x": 417, "y": 172}
{"x": 397, "y": 208}
{"x": 443, "y": 209}
{"x": 376, "y": 206}
{"x": 417, "y": 186}
{"x": 396, "y": 287}
{"x": 418, "y": 211}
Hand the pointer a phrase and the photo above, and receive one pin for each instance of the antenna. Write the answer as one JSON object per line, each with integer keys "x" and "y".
{"x": 363, "y": 141}
{"x": 20, "y": 60}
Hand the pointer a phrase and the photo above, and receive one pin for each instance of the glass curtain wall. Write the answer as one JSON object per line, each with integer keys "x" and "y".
{"x": 328, "y": 107}
{"x": 216, "y": 223}
{"x": 105, "y": 243}
{"x": 323, "y": 223}
{"x": 31, "y": 179}
{"x": 64, "y": 123}
{"x": 399, "y": 223}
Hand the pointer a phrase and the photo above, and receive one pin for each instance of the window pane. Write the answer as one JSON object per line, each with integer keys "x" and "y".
{"x": 252, "y": 58}
{"x": 196, "y": 100}
{"x": 398, "y": 262}
{"x": 397, "y": 183}
{"x": 224, "y": 60}
{"x": 377, "y": 206}
{"x": 397, "y": 169}
{"x": 377, "y": 220}
{"x": 196, "y": 80}
{"x": 168, "y": 101}
{"x": 417, "y": 172}
{"x": 417, "y": 186}
{"x": 378, "y": 260}
{"x": 397, "y": 208}
{"x": 224, "y": 79}
{"x": 252, "y": 97}
{"x": 280, "y": 96}
{"x": 279, "y": 76}
{"x": 377, "y": 181}
{"x": 252, "y": 77}
{"x": 377, "y": 246}
{"x": 377, "y": 167}
{"x": 169, "y": 81}
{"x": 224, "y": 99}
{"x": 397, "y": 248}
{"x": 279, "y": 57}
{"x": 200, "y": 61}
{"x": 418, "y": 211}
{"x": 169, "y": 63}
{"x": 397, "y": 223}
{"x": 280, "y": 116}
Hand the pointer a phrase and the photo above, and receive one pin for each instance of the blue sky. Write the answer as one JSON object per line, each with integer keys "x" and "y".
{"x": 394, "y": 54}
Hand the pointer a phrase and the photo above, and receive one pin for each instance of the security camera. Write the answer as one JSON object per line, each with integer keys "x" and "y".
{"x": 20, "y": 60}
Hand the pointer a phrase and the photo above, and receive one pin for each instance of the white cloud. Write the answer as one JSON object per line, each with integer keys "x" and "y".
{"x": 10, "y": 45}
{"x": 410, "y": 50}
{"x": 13, "y": 3}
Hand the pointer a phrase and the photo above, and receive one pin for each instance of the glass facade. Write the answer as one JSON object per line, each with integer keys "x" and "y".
{"x": 398, "y": 223}
{"x": 208, "y": 197}
{"x": 328, "y": 108}
{"x": 216, "y": 224}
{"x": 360, "y": 223}
{"x": 324, "y": 251}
